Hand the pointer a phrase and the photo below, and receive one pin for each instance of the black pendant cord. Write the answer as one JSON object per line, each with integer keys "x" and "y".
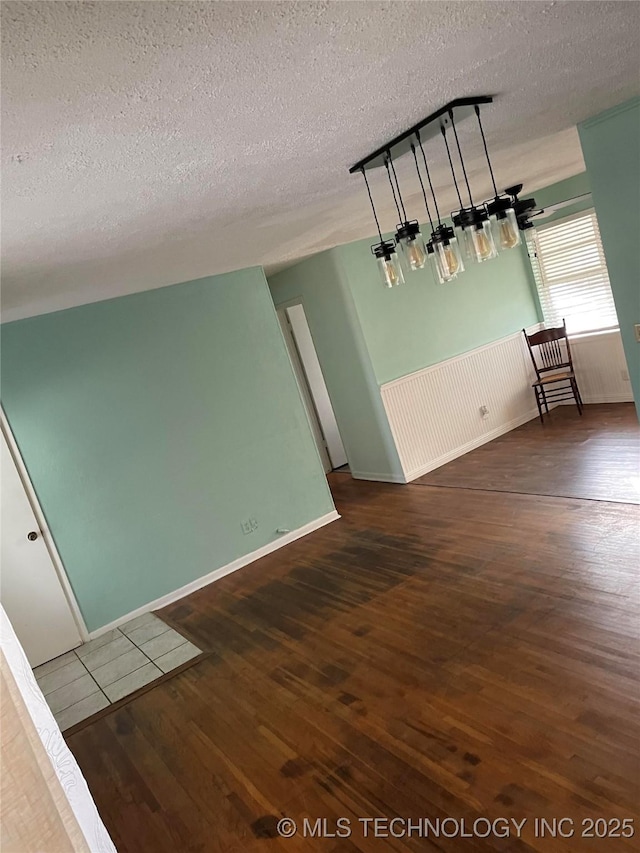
{"x": 424, "y": 192}
{"x": 426, "y": 168}
{"x": 375, "y": 216}
{"x": 395, "y": 177}
{"x": 464, "y": 171}
{"x": 486, "y": 151}
{"x": 393, "y": 189}
{"x": 453, "y": 173}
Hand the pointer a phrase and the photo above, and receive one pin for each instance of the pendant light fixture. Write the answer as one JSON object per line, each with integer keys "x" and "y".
{"x": 385, "y": 251}
{"x": 413, "y": 252}
{"x": 446, "y": 252}
{"x": 483, "y": 229}
{"x": 505, "y": 225}
{"x": 472, "y": 221}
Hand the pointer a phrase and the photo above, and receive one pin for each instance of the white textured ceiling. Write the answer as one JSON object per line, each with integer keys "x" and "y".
{"x": 148, "y": 143}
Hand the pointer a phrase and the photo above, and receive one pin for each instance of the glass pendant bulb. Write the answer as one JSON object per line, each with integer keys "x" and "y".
{"x": 505, "y": 227}
{"x": 413, "y": 252}
{"x": 460, "y": 229}
{"x": 388, "y": 264}
{"x": 433, "y": 264}
{"x": 447, "y": 253}
{"x": 483, "y": 243}
{"x": 474, "y": 230}
{"x": 506, "y": 230}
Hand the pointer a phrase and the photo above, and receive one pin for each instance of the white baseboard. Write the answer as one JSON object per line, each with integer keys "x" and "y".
{"x": 602, "y": 398}
{"x": 381, "y": 478}
{"x": 471, "y": 445}
{"x": 216, "y": 574}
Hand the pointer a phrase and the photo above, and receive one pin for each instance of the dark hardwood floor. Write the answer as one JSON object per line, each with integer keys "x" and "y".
{"x": 596, "y": 456}
{"x": 437, "y": 653}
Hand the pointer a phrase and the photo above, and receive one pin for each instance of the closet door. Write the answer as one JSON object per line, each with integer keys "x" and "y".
{"x": 30, "y": 589}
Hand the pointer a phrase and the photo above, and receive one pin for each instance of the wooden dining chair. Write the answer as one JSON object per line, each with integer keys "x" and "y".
{"x": 551, "y": 356}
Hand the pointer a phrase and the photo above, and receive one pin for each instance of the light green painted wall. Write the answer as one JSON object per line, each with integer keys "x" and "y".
{"x": 611, "y": 147}
{"x": 422, "y": 323}
{"x": 151, "y": 425}
{"x": 573, "y": 187}
{"x": 320, "y": 285}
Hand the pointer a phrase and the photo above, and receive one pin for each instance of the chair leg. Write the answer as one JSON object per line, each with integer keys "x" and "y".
{"x": 544, "y": 398}
{"x": 579, "y": 394}
{"x": 538, "y": 405}
{"x": 576, "y": 396}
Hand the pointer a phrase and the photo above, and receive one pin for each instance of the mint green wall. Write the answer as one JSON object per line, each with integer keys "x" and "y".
{"x": 611, "y": 147}
{"x": 319, "y": 284}
{"x": 422, "y": 323}
{"x": 151, "y": 425}
{"x": 573, "y": 187}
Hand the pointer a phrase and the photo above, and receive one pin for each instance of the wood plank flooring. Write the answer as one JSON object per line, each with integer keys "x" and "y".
{"x": 596, "y": 456}
{"x": 437, "y": 653}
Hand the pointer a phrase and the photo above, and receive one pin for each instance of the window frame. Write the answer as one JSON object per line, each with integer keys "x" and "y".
{"x": 532, "y": 250}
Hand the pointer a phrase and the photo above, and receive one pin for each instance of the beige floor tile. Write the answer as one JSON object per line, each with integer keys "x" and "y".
{"x": 165, "y": 642}
{"x": 59, "y": 677}
{"x": 52, "y": 665}
{"x": 81, "y": 710}
{"x": 178, "y": 656}
{"x": 71, "y": 693}
{"x": 114, "y": 649}
{"x": 138, "y": 622}
{"x": 86, "y": 648}
{"x": 132, "y": 682}
{"x": 119, "y": 667}
{"x": 147, "y": 632}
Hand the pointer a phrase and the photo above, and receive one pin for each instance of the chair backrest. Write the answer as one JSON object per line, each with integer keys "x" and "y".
{"x": 552, "y": 350}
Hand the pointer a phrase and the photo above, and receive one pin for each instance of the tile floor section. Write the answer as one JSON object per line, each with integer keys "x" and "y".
{"x": 86, "y": 680}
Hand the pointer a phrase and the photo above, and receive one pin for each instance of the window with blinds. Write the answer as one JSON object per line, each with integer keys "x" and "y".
{"x": 571, "y": 274}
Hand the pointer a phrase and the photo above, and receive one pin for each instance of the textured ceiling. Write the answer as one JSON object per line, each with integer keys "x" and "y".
{"x": 147, "y": 143}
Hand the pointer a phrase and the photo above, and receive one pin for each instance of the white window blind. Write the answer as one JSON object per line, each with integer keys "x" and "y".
{"x": 571, "y": 274}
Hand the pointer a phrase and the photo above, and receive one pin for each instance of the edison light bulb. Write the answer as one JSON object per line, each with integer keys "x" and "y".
{"x": 415, "y": 255}
{"x": 413, "y": 252}
{"x": 451, "y": 260}
{"x": 388, "y": 267}
{"x": 508, "y": 237}
{"x": 506, "y": 232}
{"x": 390, "y": 273}
{"x": 482, "y": 245}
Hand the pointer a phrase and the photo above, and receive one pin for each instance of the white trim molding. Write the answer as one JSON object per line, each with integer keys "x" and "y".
{"x": 216, "y": 574}
{"x": 378, "y": 478}
{"x": 435, "y": 413}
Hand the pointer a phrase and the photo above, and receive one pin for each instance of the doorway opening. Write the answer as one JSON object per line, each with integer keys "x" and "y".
{"x": 313, "y": 389}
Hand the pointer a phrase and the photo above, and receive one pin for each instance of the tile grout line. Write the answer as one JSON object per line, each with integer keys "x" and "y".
{"x": 100, "y": 690}
{"x": 92, "y": 678}
{"x": 169, "y": 628}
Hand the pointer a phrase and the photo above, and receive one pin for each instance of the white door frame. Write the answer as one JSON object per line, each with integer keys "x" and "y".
{"x": 42, "y": 524}
{"x": 308, "y": 390}
{"x": 303, "y": 389}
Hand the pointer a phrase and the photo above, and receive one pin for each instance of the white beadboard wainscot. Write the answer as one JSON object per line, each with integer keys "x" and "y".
{"x": 601, "y": 368}
{"x": 435, "y": 413}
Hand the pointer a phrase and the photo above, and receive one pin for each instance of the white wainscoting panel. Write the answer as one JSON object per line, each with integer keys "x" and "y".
{"x": 435, "y": 413}
{"x": 601, "y": 368}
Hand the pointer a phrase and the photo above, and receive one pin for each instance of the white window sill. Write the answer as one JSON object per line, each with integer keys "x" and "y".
{"x": 596, "y": 333}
